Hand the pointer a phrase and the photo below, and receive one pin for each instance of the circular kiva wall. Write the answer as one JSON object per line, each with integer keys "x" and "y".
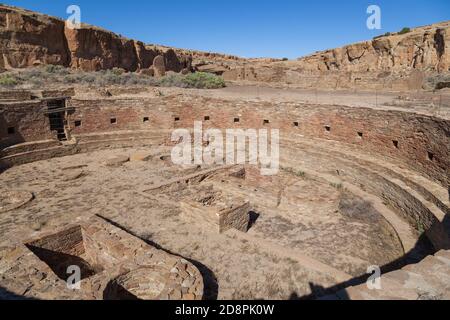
{"x": 401, "y": 158}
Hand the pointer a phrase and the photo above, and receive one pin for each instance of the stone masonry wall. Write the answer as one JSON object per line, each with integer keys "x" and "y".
{"x": 421, "y": 142}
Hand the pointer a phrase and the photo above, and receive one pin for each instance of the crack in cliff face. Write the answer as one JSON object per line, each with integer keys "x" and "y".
{"x": 66, "y": 48}
{"x": 439, "y": 42}
{"x": 351, "y": 59}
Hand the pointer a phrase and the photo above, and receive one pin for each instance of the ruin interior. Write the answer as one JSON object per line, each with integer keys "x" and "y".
{"x": 356, "y": 187}
{"x": 87, "y": 179}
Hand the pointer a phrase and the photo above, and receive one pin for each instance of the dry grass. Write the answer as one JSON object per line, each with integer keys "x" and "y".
{"x": 52, "y": 75}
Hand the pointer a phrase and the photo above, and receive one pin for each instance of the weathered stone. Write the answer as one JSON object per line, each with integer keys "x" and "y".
{"x": 141, "y": 156}
{"x": 117, "y": 161}
{"x": 73, "y": 175}
{"x": 188, "y": 296}
{"x": 159, "y": 66}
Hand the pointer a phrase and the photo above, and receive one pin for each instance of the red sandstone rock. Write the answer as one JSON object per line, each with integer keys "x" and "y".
{"x": 28, "y": 39}
{"x": 159, "y": 66}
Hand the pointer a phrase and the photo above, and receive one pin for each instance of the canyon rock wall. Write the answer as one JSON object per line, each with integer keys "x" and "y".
{"x": 425, "y": 49}
{"x": 410, "y": 61}
{"x": 419, "y": 59}
{"x": 28, "y": 39}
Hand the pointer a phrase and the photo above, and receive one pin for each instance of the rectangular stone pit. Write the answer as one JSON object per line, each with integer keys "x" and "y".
{"x": 217, "y": 210}
{"x": 108, "y": 257}
{"x": 63, "y": 249}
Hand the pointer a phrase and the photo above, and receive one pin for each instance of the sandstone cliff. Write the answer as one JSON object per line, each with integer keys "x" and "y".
{"x": 398, "y": 61}
{"x": 29, "y": 39}
{"x": 415, "y": 60}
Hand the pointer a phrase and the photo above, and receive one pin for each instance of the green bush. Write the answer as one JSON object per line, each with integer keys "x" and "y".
{"x": 56, "y": 69}
{"x": 404, "y": 30}
{"x": 204, "y": 80}
{"x": 387, "y": 34}
{"x": 172, "y": 80}
{"x": 8, "y": 80}
{"x": 118, "y": 71}
{"x": 53, "y": 75}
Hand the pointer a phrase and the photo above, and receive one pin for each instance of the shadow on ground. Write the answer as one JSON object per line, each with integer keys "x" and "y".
{"x": 211, "y": 288}
{"x": 421, "y": 250}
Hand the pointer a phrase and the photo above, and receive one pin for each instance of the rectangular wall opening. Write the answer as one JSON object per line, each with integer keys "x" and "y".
{"x": 177, "y": 119}
{"x": 296, "y": 124}
{"x": 360, "y": 135}
{"x": 266, "y": 122}
{"x": 77, "y": 123}
{"x": 113, "y": 120}
{"x": 430, "y": 156}
{"x": 395, "y": 143}
{"x": 57, "y": 118}
{"x": 207, "y": 118}
{"x": 11, "y": 130}
{"x": 236, "y": 120}
{"x": 146, "y": 119}
{"x": 327, "y": 128}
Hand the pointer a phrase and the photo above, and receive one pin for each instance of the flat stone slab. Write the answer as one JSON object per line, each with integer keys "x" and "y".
{"x": 11, "y": 200}
{"x": 141, "y": 156}
{"x": 117, "y": 161}
{"x": 73, "y": 175}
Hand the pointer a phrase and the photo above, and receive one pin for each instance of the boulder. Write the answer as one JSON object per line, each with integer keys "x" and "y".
{"x": 159, "y": 66}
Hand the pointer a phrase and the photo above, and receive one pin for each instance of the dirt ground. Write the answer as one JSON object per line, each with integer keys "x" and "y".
{"x": 305, "y": 234}
{"x": 429, "y": 103}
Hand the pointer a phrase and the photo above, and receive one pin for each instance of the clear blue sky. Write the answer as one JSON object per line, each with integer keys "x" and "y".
{"x": 252, "y": 28}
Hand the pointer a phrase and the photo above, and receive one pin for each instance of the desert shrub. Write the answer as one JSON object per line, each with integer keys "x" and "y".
{"x": 172, "y": 80}
{"x": 387, "y": 34}
{"x": 404, "y": 30}
{"x": 204, "y": 80}
{"x": 8, "y": 80}
{"x": 117, "y": 71}
{"x": 54, "y": 74}
{"x": 437, "y": 82}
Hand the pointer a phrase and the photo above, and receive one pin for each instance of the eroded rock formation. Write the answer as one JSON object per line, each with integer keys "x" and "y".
{"x": 28, "y": 39}
{"x": 398, "y": 61}
{"x": 410, "y": 61}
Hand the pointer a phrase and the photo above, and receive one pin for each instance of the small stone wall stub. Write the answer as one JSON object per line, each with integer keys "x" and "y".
{"x": 216, "y": 210}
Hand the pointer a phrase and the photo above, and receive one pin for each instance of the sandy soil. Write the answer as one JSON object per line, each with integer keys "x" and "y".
{"x": 303, "y": 239}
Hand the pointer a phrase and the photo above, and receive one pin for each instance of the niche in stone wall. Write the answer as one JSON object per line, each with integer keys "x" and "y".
{"x": 395, "y": 143}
